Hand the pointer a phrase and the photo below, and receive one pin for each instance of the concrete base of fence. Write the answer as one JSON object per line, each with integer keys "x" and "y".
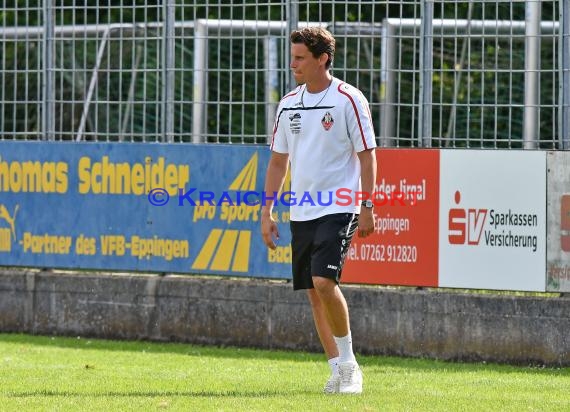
{"x": 268, "y": 314}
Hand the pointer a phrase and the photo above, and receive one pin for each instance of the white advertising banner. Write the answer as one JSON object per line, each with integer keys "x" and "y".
{"x": 492, "y": 220}
{"x": 558, "y": 222}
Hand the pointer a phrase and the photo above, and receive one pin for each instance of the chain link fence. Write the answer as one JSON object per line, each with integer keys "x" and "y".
{"x": 489, "y": 74}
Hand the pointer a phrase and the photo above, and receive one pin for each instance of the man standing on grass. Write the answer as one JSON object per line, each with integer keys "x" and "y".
{"x": 324, "y": 129}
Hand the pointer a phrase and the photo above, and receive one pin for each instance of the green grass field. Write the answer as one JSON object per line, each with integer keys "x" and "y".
{"x": 78, "y": 374}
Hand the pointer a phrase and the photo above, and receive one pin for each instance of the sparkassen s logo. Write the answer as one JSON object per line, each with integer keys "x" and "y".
{"x": 465, "y": 225}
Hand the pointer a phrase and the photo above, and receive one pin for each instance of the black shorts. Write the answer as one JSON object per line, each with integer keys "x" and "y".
{"x": 319, "y": 247}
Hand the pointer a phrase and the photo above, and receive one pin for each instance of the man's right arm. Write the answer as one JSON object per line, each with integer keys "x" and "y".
{"x": 276, "y": 171}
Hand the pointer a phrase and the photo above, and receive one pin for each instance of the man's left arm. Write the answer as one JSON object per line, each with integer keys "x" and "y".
{"x": 368, "y": 180}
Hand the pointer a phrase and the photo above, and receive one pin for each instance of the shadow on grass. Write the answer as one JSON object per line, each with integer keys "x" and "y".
{"x": 190, "y": 349}
{"x": 193, "y": 350}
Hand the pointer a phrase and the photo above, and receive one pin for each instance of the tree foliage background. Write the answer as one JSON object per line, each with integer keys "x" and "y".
{"x": 486, "y": 99}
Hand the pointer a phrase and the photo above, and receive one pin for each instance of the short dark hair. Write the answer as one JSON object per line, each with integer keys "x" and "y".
{"x": 317, "y": 40}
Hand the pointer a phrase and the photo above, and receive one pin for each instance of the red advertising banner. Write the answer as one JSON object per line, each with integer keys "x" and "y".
{"x": 403, "y": 250}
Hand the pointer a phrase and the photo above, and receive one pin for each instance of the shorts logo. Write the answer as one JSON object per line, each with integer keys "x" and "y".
{"x": 333, "y": 267}
{"x": 327, "y": 121}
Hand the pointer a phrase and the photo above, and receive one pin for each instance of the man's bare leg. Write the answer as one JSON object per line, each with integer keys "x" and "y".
{"x": 335, "y": 308}
{"x": 322, "y": 325}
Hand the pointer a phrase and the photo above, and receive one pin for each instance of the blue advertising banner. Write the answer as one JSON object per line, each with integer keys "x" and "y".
{"x": 138, "y": 207}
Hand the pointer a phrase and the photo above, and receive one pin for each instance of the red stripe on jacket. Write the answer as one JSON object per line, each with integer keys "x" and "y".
{"x": 357, "y": 114}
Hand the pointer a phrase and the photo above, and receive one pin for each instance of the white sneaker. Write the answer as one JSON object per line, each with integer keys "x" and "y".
{"x": 333, "y": 384}
{"x": 350, "y": 378}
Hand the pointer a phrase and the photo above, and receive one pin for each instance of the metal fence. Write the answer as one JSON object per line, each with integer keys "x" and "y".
{"x": 488, "y": 74}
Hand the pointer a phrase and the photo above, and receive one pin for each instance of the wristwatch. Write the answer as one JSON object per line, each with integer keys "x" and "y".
{"x": 367, "y": 204}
